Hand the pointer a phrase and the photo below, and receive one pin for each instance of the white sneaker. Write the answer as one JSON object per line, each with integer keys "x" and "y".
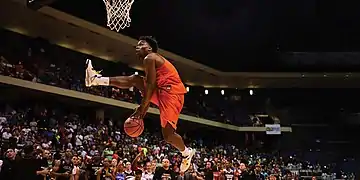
{"x": 186, "y": 161}
{"x": 90, "y": 74}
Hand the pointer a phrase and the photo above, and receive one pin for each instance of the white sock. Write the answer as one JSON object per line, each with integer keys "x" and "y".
{"x": 102, "y": 81}
{"x": 186, "y": 152}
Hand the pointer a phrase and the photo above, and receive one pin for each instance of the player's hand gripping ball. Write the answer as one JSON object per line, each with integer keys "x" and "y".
{"x": 134, "y": 127}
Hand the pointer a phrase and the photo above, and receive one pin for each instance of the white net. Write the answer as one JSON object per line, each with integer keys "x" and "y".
{"x": 118, "y": 13}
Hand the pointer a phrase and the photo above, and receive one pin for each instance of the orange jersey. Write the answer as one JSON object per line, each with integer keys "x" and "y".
{"x": 168, "y": 79}
{"x": 169, "y": 95}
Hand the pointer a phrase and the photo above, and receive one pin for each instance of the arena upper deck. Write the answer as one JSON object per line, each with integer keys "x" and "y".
{"x": 71, "y": 32}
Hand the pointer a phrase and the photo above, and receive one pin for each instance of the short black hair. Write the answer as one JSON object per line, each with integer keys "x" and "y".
{"x": 151, "y": 41}
{"x": 138, "y": 172}
{"x": 28, "y": 150}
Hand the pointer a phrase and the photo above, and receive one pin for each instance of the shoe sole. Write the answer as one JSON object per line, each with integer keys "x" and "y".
{"x": 193, "y": 151}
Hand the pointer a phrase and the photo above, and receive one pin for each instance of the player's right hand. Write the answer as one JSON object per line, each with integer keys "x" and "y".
{"x": 135, "y": 109}
{"x": 139, "y": 113}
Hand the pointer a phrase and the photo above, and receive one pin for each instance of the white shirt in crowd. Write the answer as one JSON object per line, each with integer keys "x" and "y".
{"x": 147, "y": 176}
{"x": 46, "y": 145}
{"x": 33, "y": 125}
{"x": 70, "y": 146}
{"x": 6, "y": 135}
{"x": 83, "y": 153}
{"x": 133, "y": 178}
{"x": 73, "y": 126}
{"x": 26, "y": 130}
{"x": 79, "y": 139}
{"x": 89, "y": 128}
{"x": 1, "y": 163}
{"x": 2, "y": 120}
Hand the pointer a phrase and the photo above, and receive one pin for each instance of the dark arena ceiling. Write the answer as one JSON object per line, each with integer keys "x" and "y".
{"x": 244, "y": 35}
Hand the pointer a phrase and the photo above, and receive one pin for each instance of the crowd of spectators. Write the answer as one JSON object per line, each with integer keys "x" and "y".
{"x": 39, "y": 61}
{"x": 63, "y": 144}
{"x": 60, "y": 144}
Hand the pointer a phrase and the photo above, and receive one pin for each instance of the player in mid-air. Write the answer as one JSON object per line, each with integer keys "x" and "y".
{"x": 161, "y": 86}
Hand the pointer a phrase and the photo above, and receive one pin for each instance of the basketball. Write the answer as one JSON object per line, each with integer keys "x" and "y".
{"x": 134, "y": 127}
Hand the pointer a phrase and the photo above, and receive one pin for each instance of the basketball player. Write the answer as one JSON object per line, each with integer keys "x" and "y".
{"x": 161, "y": 85}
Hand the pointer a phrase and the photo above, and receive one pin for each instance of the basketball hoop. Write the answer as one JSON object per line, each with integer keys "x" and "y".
{"x": 118, "y": 13}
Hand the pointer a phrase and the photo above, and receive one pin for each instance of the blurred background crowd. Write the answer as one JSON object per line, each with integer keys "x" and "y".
{"x": 54, "y": 134}
{"x": 42, "y": 62}
{"x": 61, "y": 140}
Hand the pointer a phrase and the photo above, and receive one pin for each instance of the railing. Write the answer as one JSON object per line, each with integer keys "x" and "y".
{"x": 121, "y": 104}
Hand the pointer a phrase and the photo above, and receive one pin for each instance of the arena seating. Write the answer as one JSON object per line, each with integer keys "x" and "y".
{"x": 39, "y": 61}
{"x": 59, "y": 128}
{"x": 55, "y": 127}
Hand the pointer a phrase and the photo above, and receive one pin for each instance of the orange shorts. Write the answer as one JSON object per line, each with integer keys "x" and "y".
{"x": 170, "y": 106}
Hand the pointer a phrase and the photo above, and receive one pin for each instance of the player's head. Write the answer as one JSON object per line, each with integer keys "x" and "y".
{"x": 146, "y": 45}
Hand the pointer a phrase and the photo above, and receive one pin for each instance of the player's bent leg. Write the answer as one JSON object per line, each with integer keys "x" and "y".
{"x": 176, "y": 140}
{"x": 171, "y": 137}
{"x": 126, "y": 82}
